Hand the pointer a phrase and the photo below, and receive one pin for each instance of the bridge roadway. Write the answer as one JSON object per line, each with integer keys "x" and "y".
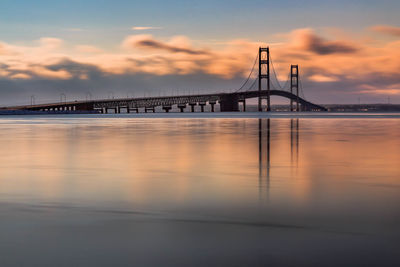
{"x": 228, "y": 102}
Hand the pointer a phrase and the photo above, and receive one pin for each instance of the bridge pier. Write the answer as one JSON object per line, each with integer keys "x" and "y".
{"x": 243, "y": 101}
{"x": 192, "y": 105}
{"x": 167, "y": 108}
{"x": 212, "y": 104}
{"x": 229, "y": 103}
{"x": 202, "y": 104}
{"x": 182, "y": 107}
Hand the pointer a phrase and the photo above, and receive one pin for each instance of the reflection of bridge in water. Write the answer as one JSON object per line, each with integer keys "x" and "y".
{"x": 268, "y": 85}
{"x": 264, "y": 152}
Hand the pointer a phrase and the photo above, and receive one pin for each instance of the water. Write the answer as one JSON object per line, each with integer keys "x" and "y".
{"x": 189, "y": 190}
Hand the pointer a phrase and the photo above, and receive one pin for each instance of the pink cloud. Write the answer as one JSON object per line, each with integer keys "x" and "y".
{"x": 395, "y": 31}
{"x": 178, "y": 44}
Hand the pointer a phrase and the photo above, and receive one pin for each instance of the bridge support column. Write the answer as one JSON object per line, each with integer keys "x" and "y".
{"x": 182, "y": 107}
{"x": 244, "y": 104}
{"x": 294, "y": 85}
{"x": 202, "y": 105}
{"x": 192, "y": 105}
{"x": 263, "y": 60}
{"x": 212, "y": 103}
{"x": 229, "y": 103}
{"x": 167, "y": 108}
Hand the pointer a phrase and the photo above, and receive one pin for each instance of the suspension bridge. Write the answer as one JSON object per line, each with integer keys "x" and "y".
{"x": 259, "y": 84}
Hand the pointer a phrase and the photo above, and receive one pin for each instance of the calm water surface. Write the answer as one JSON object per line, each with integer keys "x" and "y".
{"x": 126, "y": 191}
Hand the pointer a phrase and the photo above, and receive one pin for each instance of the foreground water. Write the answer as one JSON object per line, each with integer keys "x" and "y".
{"x": 319, "y": 190}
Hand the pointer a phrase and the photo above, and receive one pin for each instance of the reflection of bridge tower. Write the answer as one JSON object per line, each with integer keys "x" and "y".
{"x": 294, "y": 141}
{"x": 264, "y": 154}
{"x": 264, "y": 167}
{"x": 294, "y": 84}
{"x": 263, "y": 59}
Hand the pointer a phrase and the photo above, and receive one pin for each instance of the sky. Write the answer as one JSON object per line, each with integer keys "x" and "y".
{"x": 347, "y": 51}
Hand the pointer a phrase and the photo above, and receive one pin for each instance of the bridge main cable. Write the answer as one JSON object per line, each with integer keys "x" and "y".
{"x": 248, "y": 78}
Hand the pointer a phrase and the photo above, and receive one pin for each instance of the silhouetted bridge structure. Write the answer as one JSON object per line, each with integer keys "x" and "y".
{"x": 228, "y": 102}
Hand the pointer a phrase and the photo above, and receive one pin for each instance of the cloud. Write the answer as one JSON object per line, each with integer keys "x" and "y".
{"x": 21, "y": 76}
{"x": 51, "y": 43}
{"x": 45, "y": 72}
{"x": 386, "y": 29}
{"x": 3, "y": 49}
{"x": 330, "y": 69}
{"x": 308, "y": 40}
{"x": 322, "y": 78}
{"x": 6, "y": 49}
{"x": 88, "y": 49}
{"x": 178, "y": 44}
{"x": 144, "y": 28}
{"x": 393, "y": 89}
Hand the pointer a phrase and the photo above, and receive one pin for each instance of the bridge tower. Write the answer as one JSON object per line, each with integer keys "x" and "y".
{"x": 294, "y": 85}
{"x": 263, "y": 59}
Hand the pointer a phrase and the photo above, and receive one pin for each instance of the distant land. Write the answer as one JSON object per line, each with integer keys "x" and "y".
{"x": 346, "y": 107}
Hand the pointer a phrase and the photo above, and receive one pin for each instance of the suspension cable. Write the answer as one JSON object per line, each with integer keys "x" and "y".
{"x": 273, "y": 68}
{"x": 252, "y": 85}
{"x": 248, "y": 78}
{"x": 301, "y": 88}
{"x": 279, "y": 87}
{"x": 287, "y": 82}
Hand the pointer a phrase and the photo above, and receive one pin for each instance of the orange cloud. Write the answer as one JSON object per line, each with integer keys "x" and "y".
{"x": 51, "y": 43}
{"x": 395, "y": 31}
{"x": 44, "y": 72}
{"x": 336, "y": 62}
{"x": 88, "y": 49}
{"x": 21, "y": 76}
{"x": 322, "y": 60}
{"x": 306, "y": 39}
{"x": 178, "y": 44}
{"x": 322, "y": 78}
{"x": 144, "y": 28}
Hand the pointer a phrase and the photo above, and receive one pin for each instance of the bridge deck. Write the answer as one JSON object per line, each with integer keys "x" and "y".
{"x": 227, "y": 100}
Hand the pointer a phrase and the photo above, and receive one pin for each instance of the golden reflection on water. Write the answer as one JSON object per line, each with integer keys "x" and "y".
{"x": 166, "y": 163}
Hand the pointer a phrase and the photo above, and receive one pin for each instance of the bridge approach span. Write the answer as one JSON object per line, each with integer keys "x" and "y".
{"x": 228, "y": 102}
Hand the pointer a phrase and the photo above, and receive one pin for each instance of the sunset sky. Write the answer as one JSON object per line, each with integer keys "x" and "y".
{"x": 346, "y": 50}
